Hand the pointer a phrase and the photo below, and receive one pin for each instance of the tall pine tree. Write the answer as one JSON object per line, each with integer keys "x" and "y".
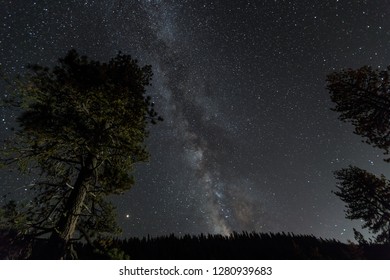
{"x": 362, "y": 97}
{"x": 82, "y": 129}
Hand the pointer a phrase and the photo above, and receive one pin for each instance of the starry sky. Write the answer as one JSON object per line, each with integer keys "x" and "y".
{"x": 248, "y": 140}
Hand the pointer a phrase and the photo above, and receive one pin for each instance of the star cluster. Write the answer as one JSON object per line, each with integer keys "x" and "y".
{"x": 249, "y": 141}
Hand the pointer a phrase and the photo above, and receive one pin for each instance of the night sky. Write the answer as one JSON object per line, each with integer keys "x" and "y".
{"x": 248, "y": 140}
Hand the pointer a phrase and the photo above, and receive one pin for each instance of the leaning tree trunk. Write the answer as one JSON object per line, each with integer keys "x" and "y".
{"x": 66, "y": 226}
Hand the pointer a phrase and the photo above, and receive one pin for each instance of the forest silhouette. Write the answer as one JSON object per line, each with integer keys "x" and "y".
{"x": 237, "y": 246}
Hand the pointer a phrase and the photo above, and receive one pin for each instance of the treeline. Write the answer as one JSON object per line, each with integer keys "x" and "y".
{"x": 245, "y": 245}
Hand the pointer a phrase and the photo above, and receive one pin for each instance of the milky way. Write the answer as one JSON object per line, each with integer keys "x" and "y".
{"x": 248, "y": 140}
{"x": 225, "y": 204}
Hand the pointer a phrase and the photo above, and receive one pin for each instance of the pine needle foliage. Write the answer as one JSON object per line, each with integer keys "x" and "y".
{"x": 362, "y": 98}
{"x": 82, "y": 129}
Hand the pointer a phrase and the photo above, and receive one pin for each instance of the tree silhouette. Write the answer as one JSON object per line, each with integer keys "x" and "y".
{"x": 82, "y": 128}
{"x": 362, "y": 98}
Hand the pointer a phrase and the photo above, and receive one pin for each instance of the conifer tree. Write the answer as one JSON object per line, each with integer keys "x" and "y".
{"x": 82, "y": 127}
{"x": 362, "y": 98}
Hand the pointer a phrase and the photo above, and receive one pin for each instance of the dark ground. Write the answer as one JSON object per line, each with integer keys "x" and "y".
{"x": 269, "y": 246}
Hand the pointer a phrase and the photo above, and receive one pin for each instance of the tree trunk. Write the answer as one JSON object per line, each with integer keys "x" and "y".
{"x": 66, "y": 226}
